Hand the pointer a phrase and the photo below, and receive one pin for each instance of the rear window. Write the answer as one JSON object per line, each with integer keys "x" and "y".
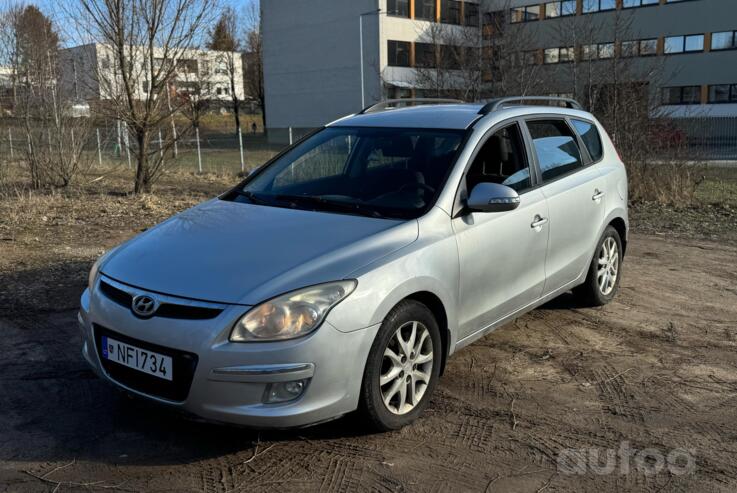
{"x": 590, "y": 136}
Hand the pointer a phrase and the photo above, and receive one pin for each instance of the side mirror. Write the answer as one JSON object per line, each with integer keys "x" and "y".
{"x": 492, "y": 197}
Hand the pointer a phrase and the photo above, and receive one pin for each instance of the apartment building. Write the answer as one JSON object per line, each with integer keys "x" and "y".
{"x": 693, "y": 44}
{"x": 327, "y": 58}
{"x": 324, "y": 59}
{"x": 87, "y": 73}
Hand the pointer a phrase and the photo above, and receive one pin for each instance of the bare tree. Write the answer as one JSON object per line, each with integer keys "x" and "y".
{"x": 486, "y": 56}
{"x": 253, "y": 57}
{"x": 608, "y": 70}
{"x": 54, "y": 138}
{"x": 449, "y": 61}
{"x": 225, "y": 38}
{"x": 511, "y": 60}
{"x": 9, "y": 46}
{"x": 145, "y": 46}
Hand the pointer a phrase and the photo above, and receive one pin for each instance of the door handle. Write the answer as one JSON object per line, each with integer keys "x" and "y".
{"x": 597, "y": 195}
{"x": 539, "y": 222}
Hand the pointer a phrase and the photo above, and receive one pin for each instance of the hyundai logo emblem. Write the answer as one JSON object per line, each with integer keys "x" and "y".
{"x": 144, "y": 306}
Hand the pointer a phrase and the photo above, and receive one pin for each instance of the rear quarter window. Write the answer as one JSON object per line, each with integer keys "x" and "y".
{"x": 591, "y": 138}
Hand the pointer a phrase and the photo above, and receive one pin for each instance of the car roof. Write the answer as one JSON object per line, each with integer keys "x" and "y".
{"x": 445, "y": 116}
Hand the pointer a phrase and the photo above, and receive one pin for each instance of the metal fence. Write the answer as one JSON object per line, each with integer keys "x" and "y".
{"x": 202, "y": 150}
{"x": 709, "y": 138}
{"x": 207, "y": 150}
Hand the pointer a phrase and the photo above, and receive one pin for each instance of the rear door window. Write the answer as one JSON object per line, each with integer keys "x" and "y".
{"x": 556, "y": 148}
{"x": 590, "y": 137}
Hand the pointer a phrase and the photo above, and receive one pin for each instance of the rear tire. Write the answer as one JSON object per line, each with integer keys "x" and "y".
{"x": 403, "y": 367}
{"x": 605, "y": 271}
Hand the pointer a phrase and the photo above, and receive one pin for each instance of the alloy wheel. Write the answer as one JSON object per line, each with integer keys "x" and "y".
{"x": 608, "y": 267}
{"x": 406, "y": 367}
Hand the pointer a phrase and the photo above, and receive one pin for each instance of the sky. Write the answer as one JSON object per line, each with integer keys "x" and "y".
{"x": 57, "y": 9}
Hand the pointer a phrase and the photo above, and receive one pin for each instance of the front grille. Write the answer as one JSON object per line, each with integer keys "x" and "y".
{"x": 183, "y": 368}
{"x": 166, "y": 310}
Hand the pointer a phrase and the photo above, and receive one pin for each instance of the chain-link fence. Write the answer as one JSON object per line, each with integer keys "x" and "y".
{"x": 212, "y": 150}
{"x": 202, "y": 150}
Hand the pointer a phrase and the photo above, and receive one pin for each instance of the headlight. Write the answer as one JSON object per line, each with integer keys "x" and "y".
{"x": 291, "y": 315}
{"x": 95, "y": 270}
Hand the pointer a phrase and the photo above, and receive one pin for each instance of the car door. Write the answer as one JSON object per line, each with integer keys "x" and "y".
{"x": 574, "y": 189}
{"x": 501, "y": 255}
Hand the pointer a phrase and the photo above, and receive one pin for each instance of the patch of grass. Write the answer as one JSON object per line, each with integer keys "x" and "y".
{"x": 719, "y": 187}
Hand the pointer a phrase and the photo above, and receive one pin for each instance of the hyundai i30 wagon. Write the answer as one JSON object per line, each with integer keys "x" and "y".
{"x": 342, "y": 275}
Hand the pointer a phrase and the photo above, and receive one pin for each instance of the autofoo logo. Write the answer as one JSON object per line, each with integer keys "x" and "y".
{"x": 649, "y": 461}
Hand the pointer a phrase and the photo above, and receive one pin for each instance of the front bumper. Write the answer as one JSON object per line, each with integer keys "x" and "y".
{"x": 230, "y": 379}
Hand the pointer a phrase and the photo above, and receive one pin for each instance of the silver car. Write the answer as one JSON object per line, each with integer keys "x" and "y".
{"x": 341, "y": 275}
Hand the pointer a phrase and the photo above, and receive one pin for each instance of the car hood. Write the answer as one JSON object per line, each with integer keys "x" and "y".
{"x": 230, "y": 252}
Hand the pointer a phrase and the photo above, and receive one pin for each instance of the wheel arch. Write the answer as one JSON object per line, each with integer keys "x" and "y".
{"x": 620, "y": 225}
{"x": 436, "y": 306}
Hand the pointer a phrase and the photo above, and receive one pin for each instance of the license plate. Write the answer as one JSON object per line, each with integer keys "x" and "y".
{"x": 139, "y": 359}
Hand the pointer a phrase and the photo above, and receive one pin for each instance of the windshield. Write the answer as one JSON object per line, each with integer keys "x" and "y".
{"x": 370, "y": 171}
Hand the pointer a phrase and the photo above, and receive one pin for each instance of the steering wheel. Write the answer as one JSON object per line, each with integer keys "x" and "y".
{"x": 417, "y": 186}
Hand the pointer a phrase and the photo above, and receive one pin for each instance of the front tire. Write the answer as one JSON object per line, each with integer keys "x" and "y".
{"x": 403, "y": 367}
{"x": 605, "y": 271}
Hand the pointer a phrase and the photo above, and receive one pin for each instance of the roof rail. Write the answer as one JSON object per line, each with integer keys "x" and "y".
{"x": 391, "y": 104}
{"x": 500, "y": 103}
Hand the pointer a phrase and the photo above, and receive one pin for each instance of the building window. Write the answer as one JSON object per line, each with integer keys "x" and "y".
{"x": 425, "y": 55}
{"x": 451, "y": 57}
{"x": 684, "y": 44}
{"x": 695, "y": 43}
{"x": 567, "y": 54}
{"x": 494, "y": 23}
{"x": 399, "y": 8}
{"x": 560, "y": 9}
{"x": 450, "y": 11}
{"x": 591, "y": 6}
{"x": 530, "y": 57}
{"x": 471, "y": 14}
{"x": 606, "y": 51}
{"x": 589, "y": 52}
{"x": 398, "y": 53}
{"x": 682, "y": 95}
{"x": 725, "y": 40}
{"x": 723, "y": 93}
{"x": 185, "y": 66}
{"x": 559, "y": 55}
{"x": 525, "y": 14}
{"x": 641, "y": 47}
{"x": 628, "y": 4}
{"x": 630, "y": 48}
{"x": 601, "y": 51}
{"x": 399, "y": 92}
{"x": 522, "y": 58}
{"x": 425, "y": 10}
{"x": 648, "y": 47}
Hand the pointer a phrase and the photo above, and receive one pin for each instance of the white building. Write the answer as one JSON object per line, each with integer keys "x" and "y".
{"x": 88, "y": 73}
{"x": 313, "y": 48}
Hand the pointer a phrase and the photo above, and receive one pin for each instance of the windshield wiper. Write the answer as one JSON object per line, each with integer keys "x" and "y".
{"x": 336, "y": 205}
{"x": 251, "y": 196}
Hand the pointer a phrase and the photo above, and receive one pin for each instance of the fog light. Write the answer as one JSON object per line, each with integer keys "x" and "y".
{"x": 284, "y": 391}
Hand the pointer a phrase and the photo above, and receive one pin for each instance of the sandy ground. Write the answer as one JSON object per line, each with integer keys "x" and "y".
{"x": 656, "y": 369}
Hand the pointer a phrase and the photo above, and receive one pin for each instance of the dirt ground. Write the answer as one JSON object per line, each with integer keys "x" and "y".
{"x": 656, "y": 369}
